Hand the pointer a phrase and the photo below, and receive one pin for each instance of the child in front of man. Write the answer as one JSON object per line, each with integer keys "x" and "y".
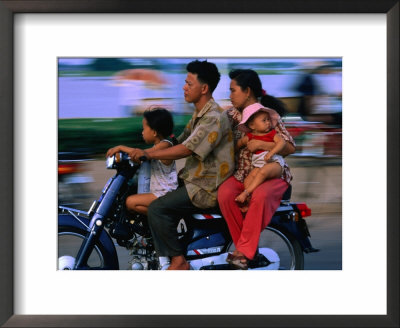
{"x": 157, "y": 127}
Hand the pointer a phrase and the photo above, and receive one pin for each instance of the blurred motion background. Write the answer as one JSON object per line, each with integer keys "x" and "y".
{"x": 101, "y": 101}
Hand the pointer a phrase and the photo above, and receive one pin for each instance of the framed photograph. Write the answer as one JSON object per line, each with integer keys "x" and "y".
{"x": 35, "y": 34}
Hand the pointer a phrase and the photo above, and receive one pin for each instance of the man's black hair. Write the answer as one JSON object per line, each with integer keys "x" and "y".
{"x": 206, "y": 73}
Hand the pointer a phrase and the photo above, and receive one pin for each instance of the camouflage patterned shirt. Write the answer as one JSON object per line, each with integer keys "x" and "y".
{"x": 209, "y": 136}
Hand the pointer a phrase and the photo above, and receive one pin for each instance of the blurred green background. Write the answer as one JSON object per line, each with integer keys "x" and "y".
{"x": 95, "y": 136}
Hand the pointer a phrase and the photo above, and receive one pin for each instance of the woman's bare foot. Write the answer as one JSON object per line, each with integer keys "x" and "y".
{"x": 236, "y": 252}
{"x": 232, "y": 255}
{"x": 179, "y": 263}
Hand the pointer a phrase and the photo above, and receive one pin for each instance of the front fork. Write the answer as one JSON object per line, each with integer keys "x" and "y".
{"x": 96, "y": 226}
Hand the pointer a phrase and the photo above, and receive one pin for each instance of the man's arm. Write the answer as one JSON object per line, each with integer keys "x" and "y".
{"x": 129, "y": 150}
{"x": 160, "y": 145}
{"x": 175, "y": 152}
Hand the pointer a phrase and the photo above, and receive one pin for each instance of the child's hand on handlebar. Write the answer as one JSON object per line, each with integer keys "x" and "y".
{"x": 133, "y": 153}
{"x": 113, "y": 151}
{"x": 117, "y": 149}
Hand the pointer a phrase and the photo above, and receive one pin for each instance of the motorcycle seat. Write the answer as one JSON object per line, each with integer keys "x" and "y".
{"x": 208, "y": 213}
{"x": 204, "y": 216}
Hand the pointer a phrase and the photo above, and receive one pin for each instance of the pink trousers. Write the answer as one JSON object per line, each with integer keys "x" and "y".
{"x": 245, "y": 228}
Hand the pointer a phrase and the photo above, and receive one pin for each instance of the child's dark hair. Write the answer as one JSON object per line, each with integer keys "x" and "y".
{"x": 160, "y": 120}
{"x": 206, "y": 73}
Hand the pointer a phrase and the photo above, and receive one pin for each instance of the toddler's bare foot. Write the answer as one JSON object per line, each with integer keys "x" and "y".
{"x": 244, "y": 208}
{"x": 241, "y": 198}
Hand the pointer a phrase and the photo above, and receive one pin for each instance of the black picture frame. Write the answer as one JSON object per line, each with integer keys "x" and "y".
{"x": 11, "y": 7}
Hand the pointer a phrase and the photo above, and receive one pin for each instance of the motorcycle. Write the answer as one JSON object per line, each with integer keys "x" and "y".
{"x": 85, "y": 239}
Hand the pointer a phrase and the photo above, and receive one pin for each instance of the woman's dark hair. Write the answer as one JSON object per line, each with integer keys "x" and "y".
{"x": 160, "y": 120}
{"x": 247, "y": 78}
{"x": 206, "y": 73}
{"x": 274, "y": 103}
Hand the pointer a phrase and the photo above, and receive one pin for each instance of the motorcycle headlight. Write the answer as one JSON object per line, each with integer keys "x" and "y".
{"x": 119, "y": 159}
{"x": 110, "y": 162}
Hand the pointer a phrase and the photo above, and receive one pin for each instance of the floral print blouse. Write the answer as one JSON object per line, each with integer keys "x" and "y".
{"x": 243, "y": 156}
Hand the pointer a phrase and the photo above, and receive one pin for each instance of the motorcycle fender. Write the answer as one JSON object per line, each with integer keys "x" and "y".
{"x": 105, "y": 239}
{"x": 292, "y": 228}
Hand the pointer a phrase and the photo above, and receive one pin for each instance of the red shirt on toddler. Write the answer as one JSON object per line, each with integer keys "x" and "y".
{"x": 268, "y": 137}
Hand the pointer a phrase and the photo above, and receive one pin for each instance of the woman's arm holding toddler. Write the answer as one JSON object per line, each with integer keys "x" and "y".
{"x": 280, "y": 144}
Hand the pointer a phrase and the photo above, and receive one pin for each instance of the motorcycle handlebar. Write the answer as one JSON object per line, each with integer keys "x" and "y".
{"x": 121, "y": 158}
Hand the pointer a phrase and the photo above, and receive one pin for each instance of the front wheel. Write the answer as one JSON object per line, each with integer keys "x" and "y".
{"x": 281, "y": 248}
{"x": 70, "y": 239}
